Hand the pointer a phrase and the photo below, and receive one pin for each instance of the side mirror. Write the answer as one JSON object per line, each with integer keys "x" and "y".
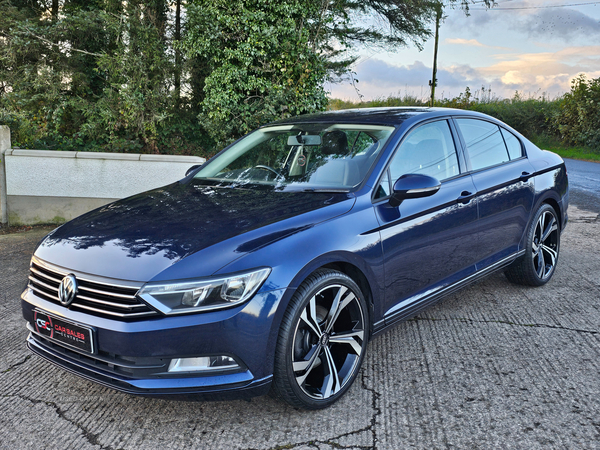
{"x": 413, "y": 185}
{"x": 191, "y": 169}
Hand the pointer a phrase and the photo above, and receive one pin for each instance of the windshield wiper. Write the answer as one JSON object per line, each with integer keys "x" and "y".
{"x": 326, "y": 190}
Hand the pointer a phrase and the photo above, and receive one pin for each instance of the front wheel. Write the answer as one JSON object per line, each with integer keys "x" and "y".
{"x": 322, "y": 341}
{"x": 537, "y": 266}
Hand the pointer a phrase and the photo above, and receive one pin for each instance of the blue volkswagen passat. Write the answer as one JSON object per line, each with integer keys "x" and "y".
{"x": 273, "y": 264}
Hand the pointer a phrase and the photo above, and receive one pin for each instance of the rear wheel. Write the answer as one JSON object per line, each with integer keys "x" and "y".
{"x": 322, "y": 341}
{"x": 537, "y": 266}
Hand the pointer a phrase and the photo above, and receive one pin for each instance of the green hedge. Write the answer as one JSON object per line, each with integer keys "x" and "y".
{"x": 570, "y": 120}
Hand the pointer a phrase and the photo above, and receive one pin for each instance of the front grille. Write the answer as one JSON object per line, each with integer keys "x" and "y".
{"x": 93, "y": 297}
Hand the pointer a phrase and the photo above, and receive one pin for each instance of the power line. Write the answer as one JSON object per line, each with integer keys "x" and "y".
{"x": 534, "y": 7}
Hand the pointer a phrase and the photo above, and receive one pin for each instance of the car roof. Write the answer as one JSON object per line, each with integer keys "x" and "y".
{"x": 376, "y": 116}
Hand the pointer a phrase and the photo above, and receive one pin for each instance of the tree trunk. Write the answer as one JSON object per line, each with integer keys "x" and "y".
{"x": 177, "y": 83}
{"x": 54, "y": 10}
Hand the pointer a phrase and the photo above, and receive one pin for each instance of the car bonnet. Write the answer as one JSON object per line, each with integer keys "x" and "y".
{"x": 140, "y": 236}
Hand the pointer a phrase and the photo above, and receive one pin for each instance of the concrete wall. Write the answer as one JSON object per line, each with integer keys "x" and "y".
{"x": 4, "y": 146}
{"x": 53, "y": 186}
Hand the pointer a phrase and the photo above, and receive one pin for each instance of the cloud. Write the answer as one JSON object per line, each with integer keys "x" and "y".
{"x": 549, "y": 72}
{"x": 378, "y": 72}
{"x": 560, "y": 23}
{"x": 569, "y": 61}
{"x": 528, "y": 73}
{"x": 380, "y": 79}
{"x": 384, "y": 75}
{"x": 459, "y": 41}
{"x": 471, "y": 43}
{"x": 477, "y": 23}
{"x": 552, "y": 24}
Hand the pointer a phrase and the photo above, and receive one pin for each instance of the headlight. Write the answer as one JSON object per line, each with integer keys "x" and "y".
{"x": 181, "y": 297}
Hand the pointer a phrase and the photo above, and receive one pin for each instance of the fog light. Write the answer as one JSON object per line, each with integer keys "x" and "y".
{"x": 202, "y": 364}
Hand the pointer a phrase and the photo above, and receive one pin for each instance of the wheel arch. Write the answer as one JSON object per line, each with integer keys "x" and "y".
{"x": 555, "y": 205}
{"x": 549, "y": 197}
{"x": 359, "y": 278}
{"x": 345, "y": 262}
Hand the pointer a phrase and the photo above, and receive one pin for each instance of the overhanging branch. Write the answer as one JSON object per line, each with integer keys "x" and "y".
{"x": 55, "y": 44}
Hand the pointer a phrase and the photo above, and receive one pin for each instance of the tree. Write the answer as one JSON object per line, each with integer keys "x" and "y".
{"x": 269, "y": 60}
{"x": 161, "y": 75}
{"x": 87, "y": 74}
{"x": 261, "y": 64}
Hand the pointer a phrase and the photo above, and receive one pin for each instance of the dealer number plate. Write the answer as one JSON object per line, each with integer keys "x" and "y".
{"x": 63, "y": 331}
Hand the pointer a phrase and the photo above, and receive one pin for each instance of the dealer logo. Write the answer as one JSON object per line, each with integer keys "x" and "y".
{"x": 43, "y": 324}
{"x": 67, "y": 290}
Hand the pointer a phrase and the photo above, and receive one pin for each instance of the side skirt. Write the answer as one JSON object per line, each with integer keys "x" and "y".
{"x": 419, "y": 304}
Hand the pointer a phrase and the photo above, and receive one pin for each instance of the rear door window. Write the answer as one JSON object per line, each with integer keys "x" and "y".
{"x": 484, "y": 142}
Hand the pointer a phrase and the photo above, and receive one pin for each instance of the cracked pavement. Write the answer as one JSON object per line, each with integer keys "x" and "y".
{"x": 494, "y": 366}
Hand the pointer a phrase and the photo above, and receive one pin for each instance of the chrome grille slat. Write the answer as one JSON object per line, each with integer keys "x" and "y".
{"x": 44, "y": 293}
{"x": 107, "y": 303}
{"x": 46, "y": 276}
{"x": 62, "y": 271}
{"x": 94, "y": 297}
{"x": 47, "y": 286}
{"x": 108, "y": 294}
{"x": 116, "y": 314}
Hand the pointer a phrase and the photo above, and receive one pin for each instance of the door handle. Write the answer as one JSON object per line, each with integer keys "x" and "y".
{"x": 524, "y": 176}
{"x": 465, "y": 197}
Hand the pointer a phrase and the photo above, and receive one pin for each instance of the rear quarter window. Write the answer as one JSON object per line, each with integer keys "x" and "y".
{"x": 515, "y": 150}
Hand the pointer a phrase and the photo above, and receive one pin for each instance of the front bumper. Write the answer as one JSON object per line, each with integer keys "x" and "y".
{"x": 133, "y": 357}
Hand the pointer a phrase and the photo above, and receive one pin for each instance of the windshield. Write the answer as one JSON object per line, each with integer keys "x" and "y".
{"x": 302, "y": 156}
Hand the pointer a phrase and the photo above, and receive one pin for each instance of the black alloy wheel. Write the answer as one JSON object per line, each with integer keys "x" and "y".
{"x": 537, "y": 266}
{"x": 322, "y": 341}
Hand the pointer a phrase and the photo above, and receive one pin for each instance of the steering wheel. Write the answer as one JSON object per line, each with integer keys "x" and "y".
{"x": 270, "y": 169}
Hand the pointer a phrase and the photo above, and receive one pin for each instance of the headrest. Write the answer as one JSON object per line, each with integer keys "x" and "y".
{"x": 334, "y": 143}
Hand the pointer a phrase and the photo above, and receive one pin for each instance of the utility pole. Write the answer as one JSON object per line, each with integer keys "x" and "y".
{"x": 433, "y": 81}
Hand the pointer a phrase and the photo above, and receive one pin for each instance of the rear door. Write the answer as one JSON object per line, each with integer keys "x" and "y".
{"x": 503, "y": 179}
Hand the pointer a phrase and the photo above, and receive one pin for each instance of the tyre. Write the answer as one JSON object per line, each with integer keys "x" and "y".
{"x": 322, "y": 341}
{"x": 537, "y": 266}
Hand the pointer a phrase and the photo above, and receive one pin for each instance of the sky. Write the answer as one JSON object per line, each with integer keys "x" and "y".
{"x": 534, "y": 47}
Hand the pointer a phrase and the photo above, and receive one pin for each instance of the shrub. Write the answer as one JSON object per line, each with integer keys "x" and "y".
{"x": 579, "y": 117}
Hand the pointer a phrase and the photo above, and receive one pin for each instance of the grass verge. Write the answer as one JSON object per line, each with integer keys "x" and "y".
{"x": 565, "y": 151}
{"x": 530, "y": 116}
{"x": 23, "y": 228}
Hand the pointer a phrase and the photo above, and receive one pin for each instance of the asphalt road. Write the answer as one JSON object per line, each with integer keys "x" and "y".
{"x": 494, "y": 366}
{"x": 584, "y": 184}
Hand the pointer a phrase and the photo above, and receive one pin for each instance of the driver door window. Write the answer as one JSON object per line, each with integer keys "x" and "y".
{"x": 428, "y": 150}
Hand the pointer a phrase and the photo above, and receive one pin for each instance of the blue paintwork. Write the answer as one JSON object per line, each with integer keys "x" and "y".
{"x": 401, "y": 256}
{"x": 505, "y": 203}
{"x": 139, "y": 237}
{"x": 424, "y": 241}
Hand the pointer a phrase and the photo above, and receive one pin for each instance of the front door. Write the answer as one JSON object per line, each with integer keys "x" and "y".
{"x": 428, "y": 243}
